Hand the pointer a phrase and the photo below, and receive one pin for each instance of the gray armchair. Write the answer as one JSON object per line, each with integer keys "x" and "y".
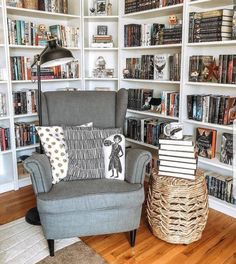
{"x": 87, "y": 207}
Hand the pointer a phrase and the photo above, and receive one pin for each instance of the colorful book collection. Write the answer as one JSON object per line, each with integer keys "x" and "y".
{"x": 132, "y": 6}
{"x": 24, "y": 102}
{"x": 146, "y": 130}
{"x": 214, "y": 25}
{"x": 136, "y": 35}
{"x": 25, "y": 134}
{"x": 170, "y": 103}
{"x": 220, "y": 186}
{"x": 206, "y": 142}
{"x": 54, "y": 6}
{"x": 5, "y": 138}
{"x": 177, "y": 158}
{"x": 21, "y": 70}
{"x": 3, "y": 104}
{"x": 206, "y": 69}
{"x": 163, "y": 67}
{"x": 216, "y": 109}
{"x": 22, "y": 32}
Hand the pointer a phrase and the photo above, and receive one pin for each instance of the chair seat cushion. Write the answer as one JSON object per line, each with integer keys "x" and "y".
{"x": 93, "y": 194}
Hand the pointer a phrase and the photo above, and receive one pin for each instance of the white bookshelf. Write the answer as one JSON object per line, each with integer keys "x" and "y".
{"x": 184, "y": 86}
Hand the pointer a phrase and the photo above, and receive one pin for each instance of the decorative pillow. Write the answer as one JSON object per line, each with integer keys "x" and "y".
{"x": 114, "y": 155}
{"x": 53, "y": 142}
{"x": 85, "y": 150}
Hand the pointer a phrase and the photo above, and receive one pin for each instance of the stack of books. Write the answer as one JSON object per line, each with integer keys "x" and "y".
{"x": 177, "y": 158}
{"x": 172, "y": 35}
{"x": 213, "y": 25}
{"x": 102, "y": 41}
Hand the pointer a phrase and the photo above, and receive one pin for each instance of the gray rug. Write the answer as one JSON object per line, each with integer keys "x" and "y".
{"x": 21, "y": 243}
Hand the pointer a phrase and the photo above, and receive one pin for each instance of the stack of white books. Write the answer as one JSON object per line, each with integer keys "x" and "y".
{"x": 177, "y": 158}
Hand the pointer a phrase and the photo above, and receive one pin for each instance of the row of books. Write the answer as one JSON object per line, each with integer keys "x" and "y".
{"x": 136, "y": 35}
{"x": 206, "y": 142}
{"x": 24, "y": 102}
{"x": 21, "y": 70}
{"x": 206, "y": 69}
{"x": 170, "y": 103}
{"x": 22, "y": 32}
{"x": 177, "y": 158}
{"x": 139, "y": 99}
{"x": 220, "y": 186}
{"x": 162, "y": 67}
{"x": 146, "y": 130}
{"x": 216, "y": 109}
{"x": 25, "y": 134}
{"x": 132, "y": 6}
{"x": 3, "y": 104}
{"x": 5, "y": 138}
{"x": 54, "y": 6}
{"x": 214, "y": 25}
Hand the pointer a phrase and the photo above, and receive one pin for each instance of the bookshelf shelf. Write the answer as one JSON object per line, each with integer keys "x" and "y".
{"x": 49, "y": 80}
{"x": 150, "y": 81}
{"x": 216, "y": 163}
{"x": 164, "y": 11}
{"x": 141, "y": 143}
{"x": 101, "y": 49}
{"x": 101, "y": 79}
{"x": 37, "y": 47}
{"x": 3, "y": 82}
{"x": 27, "y": 147}
{"x": 39, "y": 14}
{"x": 2, "y": 45}
{"x": 213, "y": 43}
{"x": 210, "y": 3}
{"x": 101, "y": 18}
{"x": 5, "y": 152}
{"x": 222, "y": 206}
{"x": 153, "y": 47}
{"x": 210, "y": 125}
{"x": 26, "y": 115}
{"x": 150, "y": 113}
{"x": 216, "y": 85}
{"x": 4, "y": 117}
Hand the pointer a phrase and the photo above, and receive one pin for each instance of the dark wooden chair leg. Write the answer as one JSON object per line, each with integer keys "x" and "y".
{"x": 132, "y": 237}
{"x": 51, "y": 247}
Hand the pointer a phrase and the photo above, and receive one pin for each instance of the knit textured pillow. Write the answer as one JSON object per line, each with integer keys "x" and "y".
{"x": 85, "y": 150}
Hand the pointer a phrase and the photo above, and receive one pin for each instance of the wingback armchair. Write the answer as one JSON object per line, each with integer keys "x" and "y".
{"x": 87, "y": 207}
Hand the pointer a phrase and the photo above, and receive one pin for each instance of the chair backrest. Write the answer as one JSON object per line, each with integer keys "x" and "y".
{"x": 104, "y": 108}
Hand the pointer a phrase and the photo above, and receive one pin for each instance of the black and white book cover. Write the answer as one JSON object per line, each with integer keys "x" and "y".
{"x": 114, "y": 155}
{"x": 161, "y": 67}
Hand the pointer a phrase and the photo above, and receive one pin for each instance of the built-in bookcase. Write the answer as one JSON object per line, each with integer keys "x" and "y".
{"x": 160, "y": 15}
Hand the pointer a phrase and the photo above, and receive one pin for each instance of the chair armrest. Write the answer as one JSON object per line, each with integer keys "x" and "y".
{"x": 39, "y": 167}
{"x": 136, "y": 161}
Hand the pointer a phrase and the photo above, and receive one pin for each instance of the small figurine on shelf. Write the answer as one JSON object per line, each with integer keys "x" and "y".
{"x": 173, "y": 21}
{"x": 109, "y": 8}
{"x": 42, "y": 35}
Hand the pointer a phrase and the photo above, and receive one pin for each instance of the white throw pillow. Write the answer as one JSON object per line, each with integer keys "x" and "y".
{"x": 114, "y": 155}
{"x": 53, "y": 141}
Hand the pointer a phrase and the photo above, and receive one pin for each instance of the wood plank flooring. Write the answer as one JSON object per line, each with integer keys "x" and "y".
{"x": 217, "y": 245}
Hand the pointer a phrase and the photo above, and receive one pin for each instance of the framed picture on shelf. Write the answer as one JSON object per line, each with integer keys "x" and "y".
{"x": 102, "y": 30}
{"x": 101, "y": 7}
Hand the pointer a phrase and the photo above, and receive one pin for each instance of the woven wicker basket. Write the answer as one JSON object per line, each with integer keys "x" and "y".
{"x": 30, "y": 4}
{"x": 177, "y": 209}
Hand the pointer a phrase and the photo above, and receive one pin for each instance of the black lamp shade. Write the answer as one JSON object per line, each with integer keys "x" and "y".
{"x": 55, "y": 55}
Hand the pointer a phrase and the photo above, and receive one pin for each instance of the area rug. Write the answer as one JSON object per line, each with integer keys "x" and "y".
{"x": 21, "y": 243}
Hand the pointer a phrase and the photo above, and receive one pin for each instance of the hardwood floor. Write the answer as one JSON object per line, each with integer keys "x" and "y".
{"x": 217, "y": 245}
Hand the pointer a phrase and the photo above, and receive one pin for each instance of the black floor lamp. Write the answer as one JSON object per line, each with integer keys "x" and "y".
{"x": 52, "y": 55}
